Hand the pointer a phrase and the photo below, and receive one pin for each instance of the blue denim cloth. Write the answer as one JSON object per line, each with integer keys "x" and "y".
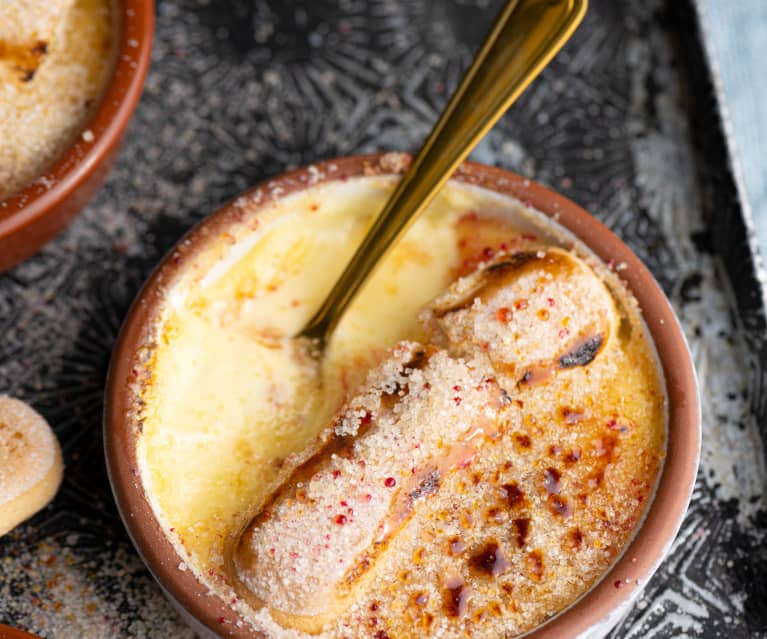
{"x": 738, "y": 31}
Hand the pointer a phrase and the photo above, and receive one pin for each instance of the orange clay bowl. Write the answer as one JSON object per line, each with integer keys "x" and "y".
{"x": 6, "y": 632}
{"x": 596, "y": 611}
{"x": 42, "y": 209}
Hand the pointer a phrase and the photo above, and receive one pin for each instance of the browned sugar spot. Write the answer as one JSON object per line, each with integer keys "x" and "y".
{"x": 552, "y": 481}
{"x": 491, "y": 279}
{"x": 560, "y": 506}
{"x": 397, "y": 391}
{"x": 572, "y": 456}
{"x": 520, "y": 529}
{"x": 40, "y": 48}
{"x": 571, "y": 415}
{"x": 575, "y": 538}
{"x": 504, "y": 315}
{"x": 455, "y": 600}
{"x": 494, "y": 515}
{"x": 25, "y": 58}
{"x": 594, "y": 480}
{"x": 522, "y": 441}
{"x": 513, "y": 494}
{"x": 534, "y": 565}
{"x": 489, "y": 560}
{"x": 418, "y": 361}
{"x": 605, "y": 447}
{"x": 427, "y": 620}
{"x": 536, "y": 375}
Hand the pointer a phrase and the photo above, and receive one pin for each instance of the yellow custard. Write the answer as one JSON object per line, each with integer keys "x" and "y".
{"x": 50, "y": 82}
{"x": 226, "y": 405}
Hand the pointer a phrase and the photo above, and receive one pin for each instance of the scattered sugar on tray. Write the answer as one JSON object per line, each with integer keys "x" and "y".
{"x": 67, "y": 603}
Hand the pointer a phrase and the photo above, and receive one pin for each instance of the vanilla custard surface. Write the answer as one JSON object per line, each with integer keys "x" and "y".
{"x": 229, "y": 406}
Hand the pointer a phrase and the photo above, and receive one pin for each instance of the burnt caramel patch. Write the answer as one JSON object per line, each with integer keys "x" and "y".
{"x": 495, "y": 275}
{"x": 513, "y": 495}
{"x": 396, "y": 391}
{"x": 534, "y": 376}
{"x": 552, "y": 481}
{"x": 489, "y": 560}
{"x": 583, "y": 354}
{"x": 455, "y": 599}
{"x": 427, "y": 620}
{"x": 24, "y": 58}
{"x": 605, "y": 446}
{"x": 417, "y": 362}
{"x": 594, "y": 480}
{"x": 522, "y": 441}
{"x": 494, "y": 515}
{"x": 40, "y": 48}
{"x": 520, "y": 529}
{"x": 571, "y": 415}
{"x": 515, "y": 261}
{"x": 488, "y": 282}
{"x": 575, "y": 538}
{"x": 560, "y": 506}
{"x": 393, "y": 394}
{"x": 572, "y": 456}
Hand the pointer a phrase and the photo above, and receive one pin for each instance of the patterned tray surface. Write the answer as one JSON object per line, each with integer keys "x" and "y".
{"x": 240, "y": 91}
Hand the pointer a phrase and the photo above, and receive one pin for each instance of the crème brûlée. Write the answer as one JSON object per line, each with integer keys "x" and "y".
{"x": 55, "y": 59}
{"x": 480, "y": 444}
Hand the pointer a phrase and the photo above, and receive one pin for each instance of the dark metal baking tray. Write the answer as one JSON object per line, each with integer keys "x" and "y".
{"x": 627, "y": 121}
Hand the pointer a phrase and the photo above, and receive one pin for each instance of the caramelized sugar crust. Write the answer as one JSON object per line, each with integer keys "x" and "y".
{"x": 540, "y": 515}
{"x": 508, "y": 532}
{"x": 494, "y": 538}
{"x": 314, "y": 546}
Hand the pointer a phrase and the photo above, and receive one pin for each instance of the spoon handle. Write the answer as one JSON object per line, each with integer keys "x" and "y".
{"x": 523, "y": 39}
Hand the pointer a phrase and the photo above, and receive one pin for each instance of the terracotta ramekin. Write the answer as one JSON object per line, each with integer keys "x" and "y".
{"x": 592, "y": 615}
{"x": 42, "y": 209}
{"x": 6, "y": 632}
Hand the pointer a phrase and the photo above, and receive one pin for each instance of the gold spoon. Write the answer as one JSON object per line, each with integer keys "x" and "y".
{"x": 524, "y": 38}
{"x": 522, "y": 41}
